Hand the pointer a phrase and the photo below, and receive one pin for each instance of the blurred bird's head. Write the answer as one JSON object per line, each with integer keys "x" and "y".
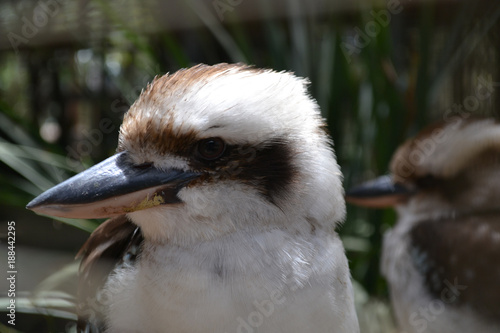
{"x": 449, "y": 169}
{"x": 209, "y": 150}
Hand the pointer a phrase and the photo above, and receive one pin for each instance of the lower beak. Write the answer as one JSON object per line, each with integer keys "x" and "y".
{"x": 113, "y": 187}
{"x": 379, "y": 193}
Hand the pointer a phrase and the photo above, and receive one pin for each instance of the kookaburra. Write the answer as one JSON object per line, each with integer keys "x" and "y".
{"x": 442, "y": 259}
{"x": 224, "y": 195}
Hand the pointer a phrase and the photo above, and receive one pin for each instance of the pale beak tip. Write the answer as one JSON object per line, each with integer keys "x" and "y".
{"x": 33, "y": 204}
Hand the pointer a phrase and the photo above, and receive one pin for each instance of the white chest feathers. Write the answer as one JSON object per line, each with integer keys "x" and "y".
{"x": 270, "y": 282}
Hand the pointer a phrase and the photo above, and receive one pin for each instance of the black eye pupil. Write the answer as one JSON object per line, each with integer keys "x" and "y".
{"x": 211, "y": 146}
{"x": 211, "y": 149}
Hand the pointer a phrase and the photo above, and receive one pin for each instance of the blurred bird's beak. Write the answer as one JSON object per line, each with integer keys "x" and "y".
{"x": 381, "y": 192}
{"x": 113, "y": 187}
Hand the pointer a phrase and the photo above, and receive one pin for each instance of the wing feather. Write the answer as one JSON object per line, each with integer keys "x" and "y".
{"x": 107, "y": 247}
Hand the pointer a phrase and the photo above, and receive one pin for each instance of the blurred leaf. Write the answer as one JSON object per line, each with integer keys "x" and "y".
{"x": 57, "y": 279}
{"x": 10, "y": 156}
{"x": 86, "y": 225}
{"x": 220, "y": 33}
{"x": 54, "y": 304}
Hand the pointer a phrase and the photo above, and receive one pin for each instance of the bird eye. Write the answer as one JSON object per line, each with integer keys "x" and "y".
{"x": 211, "y": 148}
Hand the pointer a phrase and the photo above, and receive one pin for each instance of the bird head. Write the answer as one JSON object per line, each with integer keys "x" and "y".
{"x": 209, "y": 150}
{"x": 449, "y": 169}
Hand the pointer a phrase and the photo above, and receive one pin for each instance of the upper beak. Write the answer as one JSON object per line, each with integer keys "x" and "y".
{"x": 113, "y": 187}
{"x": 379, "y": 193}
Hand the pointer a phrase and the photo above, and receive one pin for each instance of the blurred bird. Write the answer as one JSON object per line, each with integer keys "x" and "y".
{"x": 225, "y": 195}
{"x": 442, "y": 258}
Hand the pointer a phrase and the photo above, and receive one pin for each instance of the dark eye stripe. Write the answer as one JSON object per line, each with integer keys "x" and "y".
{"x": 268, "y": 167}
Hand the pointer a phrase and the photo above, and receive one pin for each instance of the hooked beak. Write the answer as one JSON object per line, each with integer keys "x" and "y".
{"x": 113, "y": 187}
{"x": 381, "y": 192}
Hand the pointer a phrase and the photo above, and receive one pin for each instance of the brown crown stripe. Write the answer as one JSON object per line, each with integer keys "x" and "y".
{"x": 148, "y": 137}
{"x": 142, "y": 131}
{"x": 179, "y": 81}
{"x": 403, "y": 166}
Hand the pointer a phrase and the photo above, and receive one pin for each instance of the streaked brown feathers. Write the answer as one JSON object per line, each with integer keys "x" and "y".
{"x": 101, "y": 253}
